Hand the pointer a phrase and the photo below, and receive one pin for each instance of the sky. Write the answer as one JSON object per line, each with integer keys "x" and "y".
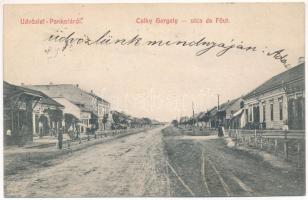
{"x": 151, "y": 81}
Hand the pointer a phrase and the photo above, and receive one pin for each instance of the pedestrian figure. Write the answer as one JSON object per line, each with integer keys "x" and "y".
{"x": 20, "y": 135}
{"x": 8, "y": 139}
{"x": 285, "y": 126}
{"x": 78, "y": 135}
{"x": 220, "y": 130}
{"x": 40, "y": 128}
{"x": 60, "y": 138}
{"x": 93, "y": 127}
{"x": 24, "y": 131}
{"x": 88, "y": 133}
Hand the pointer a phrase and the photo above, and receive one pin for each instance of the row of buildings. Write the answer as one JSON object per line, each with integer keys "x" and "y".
{"x": 277, "y": 102}
{"x": 39, "y": 110}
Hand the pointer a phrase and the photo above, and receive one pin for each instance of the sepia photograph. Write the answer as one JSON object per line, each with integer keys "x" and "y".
{"x": 154, "y": 100}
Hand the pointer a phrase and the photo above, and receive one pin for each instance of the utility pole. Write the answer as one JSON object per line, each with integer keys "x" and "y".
{"x": 218, "y": 101}
{"x": 193, "y": 112}
{"x": 218, "y": 116}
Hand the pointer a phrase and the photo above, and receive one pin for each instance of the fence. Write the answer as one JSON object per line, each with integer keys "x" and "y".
{"x": 197, "y": 130}
{"x": 102, "y": 134}
{"x": 289, "y": 145}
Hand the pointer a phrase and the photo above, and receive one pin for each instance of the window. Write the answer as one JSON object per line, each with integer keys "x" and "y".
{"x": 256, "y": 113}
{"x": 272, "y": 112}
{"x": 100, "y": 110}
{"x": 246, "y": 114}
{"x": 280, "y": 109}
{"x": 264, "y": 112}
{"x": 250, "y": 114}
{"x": 85, "y": 122}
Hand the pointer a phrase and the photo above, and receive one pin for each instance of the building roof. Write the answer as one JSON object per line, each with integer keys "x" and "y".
{"x": 10, "y": 90}
{"x": 198, "y": 115}
{"x": 49, "y": 101}
{"x": 61, "y": 90}
{"x": 295, "y": 73}
{"x": 227, "y": 104}
{"x": 83, "y": 108}
{"x": 69, "y": 108}
{"x": 213, "y": 111}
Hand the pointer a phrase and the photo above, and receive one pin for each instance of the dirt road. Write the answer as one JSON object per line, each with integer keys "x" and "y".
{"x": 205, "y": 166}
{"x": 128, "y": 166}
{"x": 156, "y": 164}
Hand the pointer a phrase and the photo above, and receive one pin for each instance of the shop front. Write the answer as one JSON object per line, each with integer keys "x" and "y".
{"x": 18, "y": 107}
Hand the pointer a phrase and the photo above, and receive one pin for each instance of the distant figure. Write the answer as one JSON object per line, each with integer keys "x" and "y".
{"x": 8, "y": 139}
{"x": 88, "y": 133}
{"x": 71, "y": 132}
{"x": 78, "y": 135}
{"x": 60, "y": 138}
{"x": 71, "y": 136}
{"x": 40, "y": 128}
{"x": 285, "y": 126}
{"x": 21, "y": 133}
{"x": 71, "y": 129}
{"x": 93, "y": 128}
{"x": 8, "y": 132}
{"x": 220, "y": 130}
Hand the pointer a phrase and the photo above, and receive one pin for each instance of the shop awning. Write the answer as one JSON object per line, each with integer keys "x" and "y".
{"x": 237, "y": 113}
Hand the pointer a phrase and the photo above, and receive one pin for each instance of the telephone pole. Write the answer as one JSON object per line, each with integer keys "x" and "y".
{"x": 218, "y": 101}
{"x": 193, "y": 121}
{"x": 218, "y": 116}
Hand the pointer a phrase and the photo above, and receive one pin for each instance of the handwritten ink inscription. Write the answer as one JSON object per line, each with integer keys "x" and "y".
{"x": 204, "y": 44}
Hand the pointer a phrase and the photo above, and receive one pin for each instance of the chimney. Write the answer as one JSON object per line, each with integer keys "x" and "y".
{"x": 77, "y": 85}
{"x": 301, "y": 60}
{"x": 22, "y": 84}
{"x": 91, "y": 91}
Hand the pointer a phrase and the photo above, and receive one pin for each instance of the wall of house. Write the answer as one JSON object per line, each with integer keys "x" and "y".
{"x": 76, "y": 95}
{"x": 268, "y": 98}
{"x": 230, "y": 111}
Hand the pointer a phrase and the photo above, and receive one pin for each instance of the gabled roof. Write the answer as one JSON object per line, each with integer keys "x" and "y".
{"x": 227, "y": 104}
{"x": 213, "y": 111}
{"x": 202, "y": 116}
{"x": 295, "y": 73}
{"x": 10, "y": 89}
{"x": 49, "y": 101}
{"x": 60, "y": 90}
{"x": 199, "y": 115}
{"x": 69, "y": 108}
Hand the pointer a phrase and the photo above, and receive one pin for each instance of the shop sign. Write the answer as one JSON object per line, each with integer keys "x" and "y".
{"x": 21, "y": 105}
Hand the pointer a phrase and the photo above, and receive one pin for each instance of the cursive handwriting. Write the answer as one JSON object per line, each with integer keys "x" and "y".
{"x": 70, "y": 40}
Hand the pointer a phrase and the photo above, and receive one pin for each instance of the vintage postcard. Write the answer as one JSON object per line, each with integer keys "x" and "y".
{"x": 154, "y": 100}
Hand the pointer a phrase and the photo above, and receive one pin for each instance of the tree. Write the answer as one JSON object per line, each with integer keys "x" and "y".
{"x": 175, "y": 122}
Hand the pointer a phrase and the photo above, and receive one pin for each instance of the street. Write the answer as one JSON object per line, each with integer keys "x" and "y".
{"x": 205, "y": 166}
{"x": 156, "y": 163}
